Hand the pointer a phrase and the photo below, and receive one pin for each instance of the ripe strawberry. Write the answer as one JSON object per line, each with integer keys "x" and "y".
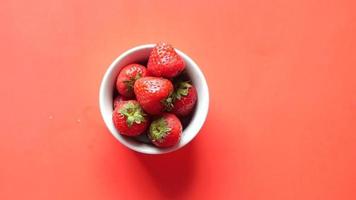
{"x": 164, "y": 61}
{"x": 127, "y": 77}
{"x": 165, "y": 131}
{"x": 184, "y": 99}
{"x": 129, "y": 118}
{"x": 153, "y": 94}
{"x": 118, "y": 99}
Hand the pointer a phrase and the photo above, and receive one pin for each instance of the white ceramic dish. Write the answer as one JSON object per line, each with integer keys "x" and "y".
{"x": 139, "y": 54}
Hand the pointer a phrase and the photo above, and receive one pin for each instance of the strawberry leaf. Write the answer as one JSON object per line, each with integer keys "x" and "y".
{"x": 133, "y": 113}
{"x": 159, "y": 129}
{"x": 182, "y": 89}
{"x": 130, "y": 83}
{"x": 168, "y": 102}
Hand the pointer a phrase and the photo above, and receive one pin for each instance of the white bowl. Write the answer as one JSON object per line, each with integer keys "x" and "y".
{"x": 139, "y": 54}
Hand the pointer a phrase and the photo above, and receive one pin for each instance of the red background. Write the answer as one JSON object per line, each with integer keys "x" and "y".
{"x": 282, "y": 118}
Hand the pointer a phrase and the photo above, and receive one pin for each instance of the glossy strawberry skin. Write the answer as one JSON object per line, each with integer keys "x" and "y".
{"x": 164, "y": 61}
{"x": 185, "y": 104}
{"x": 151, "y": 93}
{"x": 127, "y": 77}
{"x": 120, "y": 120}
{"x": 173, "y": 131}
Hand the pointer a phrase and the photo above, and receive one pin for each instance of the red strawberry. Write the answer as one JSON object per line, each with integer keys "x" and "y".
{"x": 165, "y": 131}
{"x": 164, "y": 61}
{"x": 129, "y": 118}
{"x": 118, "y": 99}
{"x": 153, "y": 94}
{"x": 127, "y": 77}
{"x": 184, "y": 99}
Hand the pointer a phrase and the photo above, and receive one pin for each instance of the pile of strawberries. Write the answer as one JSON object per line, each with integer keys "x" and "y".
{"x": 155, "y": 99}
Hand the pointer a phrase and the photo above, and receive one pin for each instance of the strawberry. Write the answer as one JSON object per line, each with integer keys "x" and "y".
{"x": 184, "y": 98}
{"x": 164, "y": 61}
{"x": 127, "y": 77}
{"x": 165, "y": 131}
{"x": 118, "y": 99}
{"x": 129, "y": 118}
{"x": 153, "y": 94}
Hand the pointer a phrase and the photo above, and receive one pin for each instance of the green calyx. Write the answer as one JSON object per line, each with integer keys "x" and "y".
{"x": 180, "y": 89}
{"x": 168, "y": 103}
{"x": 159, "y": 129}
{"x": 131, "y": 82}
{"x": 133, "y": 113}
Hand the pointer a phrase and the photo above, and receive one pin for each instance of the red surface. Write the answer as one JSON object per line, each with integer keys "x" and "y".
{"x": 282, "y": 122}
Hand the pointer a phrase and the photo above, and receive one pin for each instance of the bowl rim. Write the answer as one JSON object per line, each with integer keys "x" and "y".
{"x": 202, "y": 115}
